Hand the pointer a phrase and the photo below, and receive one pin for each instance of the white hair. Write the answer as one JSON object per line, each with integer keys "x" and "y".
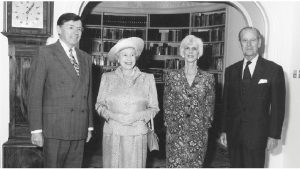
{"x": 190, "y": 39}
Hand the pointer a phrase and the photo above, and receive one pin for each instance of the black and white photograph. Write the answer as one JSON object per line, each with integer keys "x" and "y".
{"x": 150, "y": 84}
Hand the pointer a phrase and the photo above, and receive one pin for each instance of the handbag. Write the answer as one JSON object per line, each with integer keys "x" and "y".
{"x": 152, "y": 138}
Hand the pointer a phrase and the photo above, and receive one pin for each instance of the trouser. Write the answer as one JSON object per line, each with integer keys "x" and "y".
{"x": 63, "y": 153}
{"x": 243, "y": 157}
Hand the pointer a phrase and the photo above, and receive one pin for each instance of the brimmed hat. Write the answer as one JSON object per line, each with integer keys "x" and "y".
{"x": 132, "y": 42}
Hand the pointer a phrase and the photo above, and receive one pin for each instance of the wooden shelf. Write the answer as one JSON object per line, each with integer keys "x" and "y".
{"x": 163, "y": 42}
{"x": 168, "y": 28}
{"x": 126, "y": 27}
{"x": 207, "y": 27}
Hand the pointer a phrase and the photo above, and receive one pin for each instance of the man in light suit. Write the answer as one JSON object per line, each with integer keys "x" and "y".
{"x": 59, "y": 99}
{"x": 254, "y": 104}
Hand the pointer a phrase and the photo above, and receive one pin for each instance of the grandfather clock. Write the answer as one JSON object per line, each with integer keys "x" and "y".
{"x": 28, "y": 25}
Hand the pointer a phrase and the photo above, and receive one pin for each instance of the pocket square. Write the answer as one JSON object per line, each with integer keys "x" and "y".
{"x": 263, "y": 81}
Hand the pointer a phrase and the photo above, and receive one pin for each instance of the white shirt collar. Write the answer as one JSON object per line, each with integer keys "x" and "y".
{"x": 66, "y": 49}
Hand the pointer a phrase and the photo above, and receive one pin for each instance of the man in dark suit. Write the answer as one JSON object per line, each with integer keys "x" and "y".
{"x": 254, "y": 104}
{"x": 59, "y": 99}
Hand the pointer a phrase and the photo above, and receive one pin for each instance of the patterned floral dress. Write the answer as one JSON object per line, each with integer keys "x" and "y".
{"x": 188, "y": 116}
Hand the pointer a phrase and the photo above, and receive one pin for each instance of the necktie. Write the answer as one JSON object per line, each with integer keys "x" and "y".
{"x": 74, "y": 62}
{"x": 247, "y": 74}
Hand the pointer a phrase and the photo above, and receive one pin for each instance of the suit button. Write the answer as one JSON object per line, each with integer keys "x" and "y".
{"x": 84, "y": 97}
{"x": 72, "y": 95}
{"x": 82, "y": 111}
{"x": 72, "y": 110}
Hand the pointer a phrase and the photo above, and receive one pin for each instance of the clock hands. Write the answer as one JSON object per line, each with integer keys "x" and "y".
{"x": 27, "y": 12}
{"x": 30, "y": 8}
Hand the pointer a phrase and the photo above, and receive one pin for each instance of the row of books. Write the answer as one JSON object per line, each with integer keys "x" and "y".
{"x": 113, "y": 20}
{"x": 215, "y": 49}
{"x": 174, "y": 63}
{"x": 208, "y": 19}
{"x": 114, "y": 33}
{"x": 210, "y": 35}
{"x": 163, "y": 49}
{"x": 92, "y": 19}
{"x": 169, "y": 20}
{"x": 91, "y": 33}
{"x": 164, "y": 35}
{"x": 102, "y": 60}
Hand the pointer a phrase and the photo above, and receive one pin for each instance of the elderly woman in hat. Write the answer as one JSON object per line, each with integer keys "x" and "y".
{"x": 127, "y": 99}
{"x": 189, "y": 98}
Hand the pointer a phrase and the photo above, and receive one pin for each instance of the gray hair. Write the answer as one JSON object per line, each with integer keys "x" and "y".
{"x": 190, "y": 39}
{"x": 258, "y": 34}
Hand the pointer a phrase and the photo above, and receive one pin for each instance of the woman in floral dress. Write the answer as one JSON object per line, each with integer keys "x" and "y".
{"x": 189, "y": 99}
{"x": 127, "y": 99}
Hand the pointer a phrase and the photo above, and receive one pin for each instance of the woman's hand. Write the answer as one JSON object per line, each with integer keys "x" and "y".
{"x": 124, "y": 119}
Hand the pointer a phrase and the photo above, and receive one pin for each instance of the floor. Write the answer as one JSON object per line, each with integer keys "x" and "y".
{"x": 217, "y": 156}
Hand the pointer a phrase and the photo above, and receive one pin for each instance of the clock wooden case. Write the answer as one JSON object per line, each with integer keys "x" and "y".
{"x": 28, "y": 25}
{"x": 29, "y": 17}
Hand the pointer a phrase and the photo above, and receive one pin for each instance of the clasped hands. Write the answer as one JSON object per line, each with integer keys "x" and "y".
{"x": 125, "y": 119}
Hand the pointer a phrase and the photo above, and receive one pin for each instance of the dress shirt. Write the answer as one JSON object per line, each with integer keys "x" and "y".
{"x": 67, "y": 50}
{"x": 251, "y": 66}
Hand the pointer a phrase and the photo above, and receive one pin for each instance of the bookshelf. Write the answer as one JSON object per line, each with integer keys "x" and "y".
{"x": 162, "y": 34}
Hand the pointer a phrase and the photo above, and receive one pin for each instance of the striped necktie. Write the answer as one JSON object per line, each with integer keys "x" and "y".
{"x": 74, "y": 62}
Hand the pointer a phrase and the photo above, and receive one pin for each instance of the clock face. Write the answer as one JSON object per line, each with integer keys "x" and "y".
{"x": 27, "y": 14}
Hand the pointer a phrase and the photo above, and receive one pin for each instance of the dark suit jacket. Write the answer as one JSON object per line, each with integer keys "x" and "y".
{"x": 59, "y": 102}
{"x": 261, "y": 115}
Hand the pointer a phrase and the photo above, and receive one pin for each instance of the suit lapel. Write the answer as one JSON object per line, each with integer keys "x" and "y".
{"x": 239, "y": 70}
{"x": 65, "y": 61}
{"x": 259, "y": 70}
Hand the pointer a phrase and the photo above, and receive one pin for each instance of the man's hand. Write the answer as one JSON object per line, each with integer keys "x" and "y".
{"x": 223, "y": 139}
{"x": 272, "y": 143}
{"x": 37, "y": 139}
{"x": 89, "y": 136}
